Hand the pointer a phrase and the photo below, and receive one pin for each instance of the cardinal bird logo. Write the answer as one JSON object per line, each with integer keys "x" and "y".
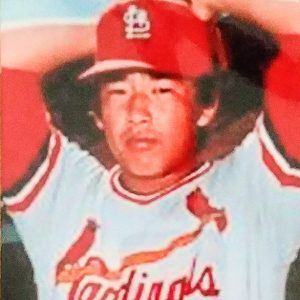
{"x": 198, "y": 204}
{"x": 69, "y": 270}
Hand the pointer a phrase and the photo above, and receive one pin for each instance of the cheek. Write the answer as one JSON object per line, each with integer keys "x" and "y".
{"x": 113, "y": 119}
{"x": 176, "y": 119}
{"x": 178, "y": 131}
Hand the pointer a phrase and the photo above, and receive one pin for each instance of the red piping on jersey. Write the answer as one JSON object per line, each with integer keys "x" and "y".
{"x": 284, "y": 179}
{"x": 162, "y": 193}
{"x": 24, "y": 204}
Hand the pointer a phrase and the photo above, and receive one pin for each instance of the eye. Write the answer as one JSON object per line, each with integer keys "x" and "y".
{"x": 160, "y": 91}
{"x": 163, "y": 86}
{"x": 116, "y": 89}
{"x": 117, "y": 92}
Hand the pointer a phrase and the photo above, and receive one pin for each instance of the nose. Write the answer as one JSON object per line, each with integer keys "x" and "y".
{"x": 138, "y": 108}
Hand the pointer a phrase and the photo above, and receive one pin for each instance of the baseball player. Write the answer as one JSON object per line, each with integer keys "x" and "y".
{"x": 158, "y": 225}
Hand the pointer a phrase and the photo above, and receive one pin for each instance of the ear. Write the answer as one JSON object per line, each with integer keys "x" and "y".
{"x": 96, "y": 120}
{"x": 208, "y": 113}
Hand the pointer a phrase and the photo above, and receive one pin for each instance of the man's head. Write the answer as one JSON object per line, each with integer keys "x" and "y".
{"x": 150, "y": 57}
{"x": 150, "y": 120}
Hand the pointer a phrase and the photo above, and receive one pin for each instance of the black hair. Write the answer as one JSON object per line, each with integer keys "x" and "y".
{"x": 68, "y": 100}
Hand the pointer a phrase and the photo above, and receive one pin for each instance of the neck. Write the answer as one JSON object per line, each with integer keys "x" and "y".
{"x": 146, "y": 185}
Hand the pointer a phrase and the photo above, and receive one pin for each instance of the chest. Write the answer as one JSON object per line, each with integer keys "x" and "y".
{"x": 133, "y": 253}
{"x": 196, "y": 245}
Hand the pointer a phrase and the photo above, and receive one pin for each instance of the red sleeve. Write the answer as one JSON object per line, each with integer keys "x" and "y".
{"x": 282, "y": 103}
{"x": 24, "y": 126}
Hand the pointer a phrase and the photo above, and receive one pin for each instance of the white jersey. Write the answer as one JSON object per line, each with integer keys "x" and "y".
{"x": 228, "y": 231}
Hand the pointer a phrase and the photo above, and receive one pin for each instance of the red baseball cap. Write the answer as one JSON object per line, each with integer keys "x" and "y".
{"x": 158, "y": 35}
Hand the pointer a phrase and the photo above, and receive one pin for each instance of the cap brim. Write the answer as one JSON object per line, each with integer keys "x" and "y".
{"x": 113, "y": 65}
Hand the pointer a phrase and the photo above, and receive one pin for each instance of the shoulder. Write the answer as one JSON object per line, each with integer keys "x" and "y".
{"x": 257, "y": 160}
{"x": 67, "y": 172}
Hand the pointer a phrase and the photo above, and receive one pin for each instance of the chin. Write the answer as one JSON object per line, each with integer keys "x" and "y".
{"x": 146, "y": 170}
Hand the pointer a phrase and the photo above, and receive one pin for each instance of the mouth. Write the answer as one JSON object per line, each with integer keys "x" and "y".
{"x": 141, "y": 143}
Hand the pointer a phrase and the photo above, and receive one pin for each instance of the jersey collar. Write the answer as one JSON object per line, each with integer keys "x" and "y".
{"x": 147, "y": 199}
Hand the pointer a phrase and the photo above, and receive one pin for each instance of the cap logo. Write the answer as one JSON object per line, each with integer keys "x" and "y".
{"x": 137, "y": 23}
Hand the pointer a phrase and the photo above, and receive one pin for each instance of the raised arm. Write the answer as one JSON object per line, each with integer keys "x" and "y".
{"x": 40, "y": 48}
{"x": 27, "y": 53}
{"x": 276, "y": 16}
{"x": 282, "y": 89}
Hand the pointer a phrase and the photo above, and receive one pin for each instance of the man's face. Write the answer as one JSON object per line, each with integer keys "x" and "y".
{"x": 150, "y": 123}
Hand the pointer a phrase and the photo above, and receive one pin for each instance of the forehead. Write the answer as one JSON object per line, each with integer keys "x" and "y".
{"x": 138, "y": 75}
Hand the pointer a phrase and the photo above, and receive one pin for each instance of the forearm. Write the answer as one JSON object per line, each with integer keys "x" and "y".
{"x": 282, "y": 92}
{"x": 282, "y": 97}
{"x": 27, "y": 53}
{"x": 24, "y": 126}
{"x": 40, "y": 48}
{"x": 276, "y": 16}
